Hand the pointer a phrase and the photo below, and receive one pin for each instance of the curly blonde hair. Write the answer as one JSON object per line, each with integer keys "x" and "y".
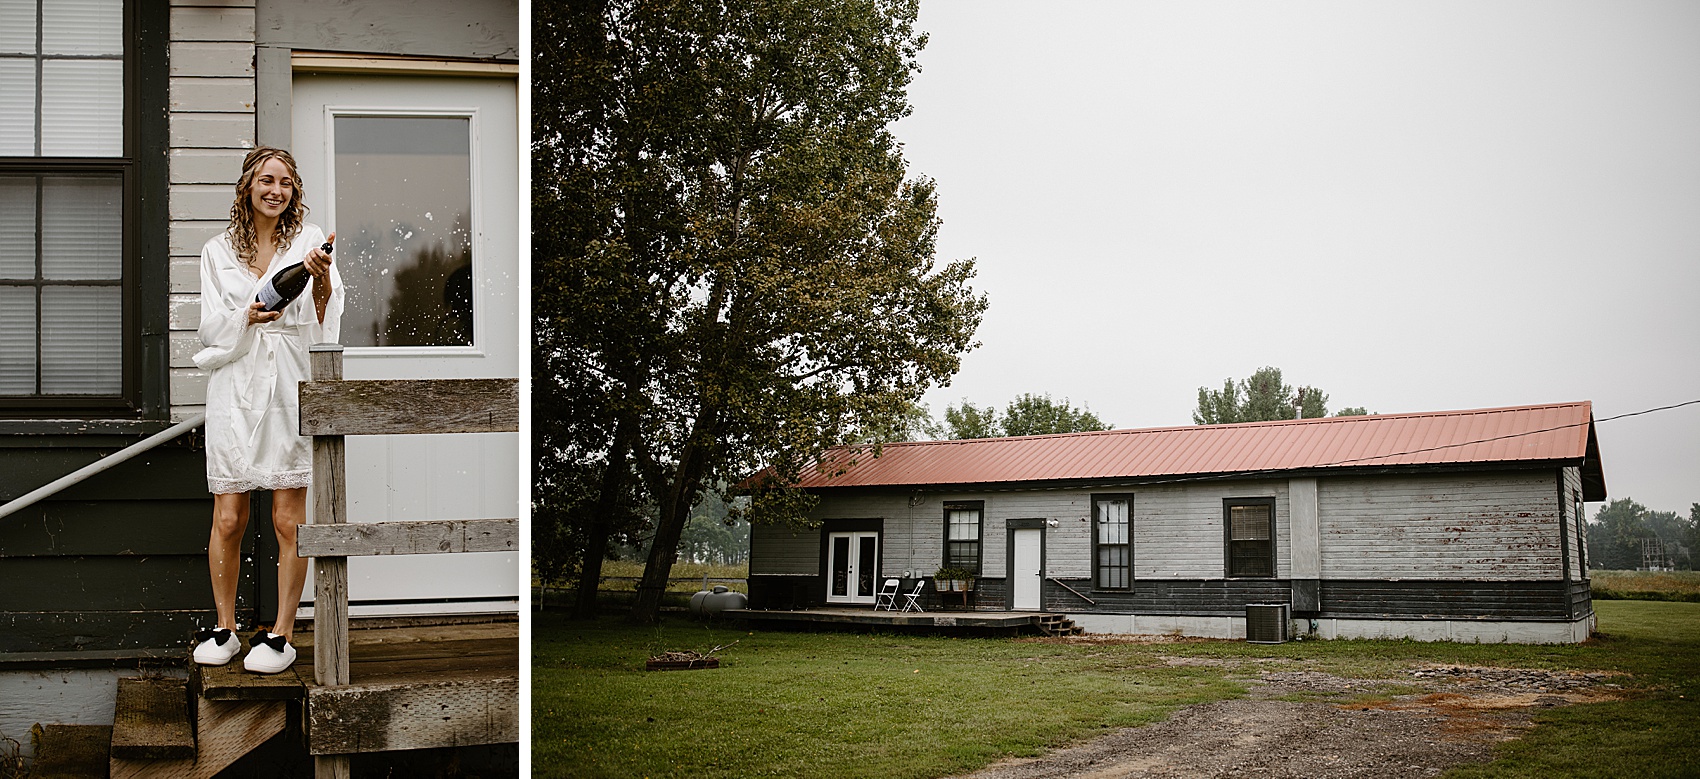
{"x": 242, "y": 233}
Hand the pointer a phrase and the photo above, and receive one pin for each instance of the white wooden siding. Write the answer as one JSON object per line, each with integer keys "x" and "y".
{"x": 1177, "y": 529}
{"x": 211, "y": 101}
{"x": 1491, "y": 527}
{"x": 1578, "y": 540}
{"x": 1488, "y": 526}
{"x": 1064, "y": 555}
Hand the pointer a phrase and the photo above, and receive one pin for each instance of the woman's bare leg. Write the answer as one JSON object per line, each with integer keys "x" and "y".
{"x": 289, "y": 508}
{"x": 224, "y": 553}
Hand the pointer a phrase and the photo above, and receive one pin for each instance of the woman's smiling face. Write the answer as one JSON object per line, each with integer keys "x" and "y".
{"x": 273, "y": 189}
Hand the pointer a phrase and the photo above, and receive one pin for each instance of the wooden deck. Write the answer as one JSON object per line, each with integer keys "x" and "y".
{"x": 981, "y": 622}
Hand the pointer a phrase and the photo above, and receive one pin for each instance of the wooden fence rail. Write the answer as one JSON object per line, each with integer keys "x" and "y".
{"x": 331, "y": 409}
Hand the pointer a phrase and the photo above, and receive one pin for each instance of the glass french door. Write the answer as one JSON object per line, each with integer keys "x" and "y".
{"x": 852, "y": 567}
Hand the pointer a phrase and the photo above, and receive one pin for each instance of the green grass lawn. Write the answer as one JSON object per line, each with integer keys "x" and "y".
{"x": 840, "y": 704}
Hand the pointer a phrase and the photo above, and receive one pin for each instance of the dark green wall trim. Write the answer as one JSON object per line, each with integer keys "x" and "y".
{"x": 151, "y": 23}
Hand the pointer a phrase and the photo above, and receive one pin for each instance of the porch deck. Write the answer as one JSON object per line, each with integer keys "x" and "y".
{"x": 966, "y": 621}
{"x": 468, "y": 669}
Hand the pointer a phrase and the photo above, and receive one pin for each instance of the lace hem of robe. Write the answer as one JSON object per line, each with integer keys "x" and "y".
{"x": 288, "y": 480}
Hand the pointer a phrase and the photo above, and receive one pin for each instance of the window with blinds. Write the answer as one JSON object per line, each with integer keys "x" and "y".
{"x": 962, "y": 535}
{"x": 1112, "y": 545}
{"x": 63, "y": 178}
{"x": 1251, "y": 536}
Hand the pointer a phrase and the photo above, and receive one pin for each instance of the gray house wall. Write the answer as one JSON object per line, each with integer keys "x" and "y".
{"x": 1481, "y": 546}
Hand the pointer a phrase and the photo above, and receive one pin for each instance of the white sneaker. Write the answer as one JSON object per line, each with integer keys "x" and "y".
{"x": 269, "y": 653}
{"x": 216, "y": 646}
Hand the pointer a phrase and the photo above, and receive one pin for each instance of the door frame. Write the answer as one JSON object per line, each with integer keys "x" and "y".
{"x": 1011, "y": 526}
{"x": 827, "y": 529}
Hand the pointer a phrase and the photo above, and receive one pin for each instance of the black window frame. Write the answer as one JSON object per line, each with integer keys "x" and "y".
{"x": 979, "y": 542}
{"x": 1581, "y": 531}
{"x": 144, "y": 264}
{"x": 1228, "y": 540}
{"x": 1098, "y": 566}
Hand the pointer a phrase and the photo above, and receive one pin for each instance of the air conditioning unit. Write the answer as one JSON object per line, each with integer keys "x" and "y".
{"x": 1267, "y": 623}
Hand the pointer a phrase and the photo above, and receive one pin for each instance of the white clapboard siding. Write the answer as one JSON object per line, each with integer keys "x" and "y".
{"x": 1573, "y": 485}
{"x": 1063, "y": 557}
{"x": 211, "y": 103}
{"x": 1494, "y": 527}
{"x": 1177, "y": 528}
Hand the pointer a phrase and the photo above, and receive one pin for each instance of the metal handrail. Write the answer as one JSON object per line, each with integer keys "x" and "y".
{"x": 104, "y": 463}
{"x": 1059, "y": 583}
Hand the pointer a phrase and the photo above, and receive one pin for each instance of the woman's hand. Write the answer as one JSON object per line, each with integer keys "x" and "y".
{"x": 319, "y": 263}
{"x": 257, "y": 315}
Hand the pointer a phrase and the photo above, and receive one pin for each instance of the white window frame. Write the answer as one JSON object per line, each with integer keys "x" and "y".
{"x": 480, "y": 307}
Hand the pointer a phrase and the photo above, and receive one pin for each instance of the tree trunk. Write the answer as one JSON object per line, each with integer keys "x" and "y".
{"x": 675, "y": 511}
{"x": 596, "y": 535}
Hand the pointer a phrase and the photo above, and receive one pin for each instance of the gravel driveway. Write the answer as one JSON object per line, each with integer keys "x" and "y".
{"x": 1311, "y": 724}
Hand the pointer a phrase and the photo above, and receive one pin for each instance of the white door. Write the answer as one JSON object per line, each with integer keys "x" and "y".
{"x": 852, "y": 564}
{"x": 418, "y": 178}
{"x": 1027, "y": 570}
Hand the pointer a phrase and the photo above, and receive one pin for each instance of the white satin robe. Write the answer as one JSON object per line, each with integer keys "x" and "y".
{"x": 253, "y": 394}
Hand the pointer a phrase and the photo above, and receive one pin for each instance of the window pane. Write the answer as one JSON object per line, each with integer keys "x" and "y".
{"x": 1250, "y": 523}
{"x": 1112, "y": 522}
{"x": 17, "y": 227}
{"x": 404, "y": 229}
{"x": 82, "y": 27}
{"x": 82, "y": 108}
{"x": 17, "y": 27}
{"x": 1252, "y": 558}
{"x": 17, "y": 340}
{"x": 81, "y": 341}
{"x": 963, "y": 554}
{"x": 1112, "y": 566}
{"x": 82, "y": 228}
{"x": 965, "y": 525}
{"x": 17, "y": 108}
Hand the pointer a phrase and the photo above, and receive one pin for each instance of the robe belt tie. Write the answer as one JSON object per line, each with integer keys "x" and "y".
{"x": 263, "y": 382}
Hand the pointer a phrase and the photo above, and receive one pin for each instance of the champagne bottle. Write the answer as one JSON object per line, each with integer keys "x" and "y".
{"x": 287, "y": 284}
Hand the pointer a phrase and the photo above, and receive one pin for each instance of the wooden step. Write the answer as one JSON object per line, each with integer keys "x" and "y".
{"x": 70, "y": 751}
{"x": 226, "y": 730}
{"x": 151, "y": 721}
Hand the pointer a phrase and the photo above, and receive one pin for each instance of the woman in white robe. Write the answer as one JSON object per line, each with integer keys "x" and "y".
{"x": 254, "y": 360}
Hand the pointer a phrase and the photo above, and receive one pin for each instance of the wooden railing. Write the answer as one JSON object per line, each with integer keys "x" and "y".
{"x": 331, "y": 409}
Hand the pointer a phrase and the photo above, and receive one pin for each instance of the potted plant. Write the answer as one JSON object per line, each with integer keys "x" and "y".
{"x": 942, "y": 579}
{"x": 953, "y": 580}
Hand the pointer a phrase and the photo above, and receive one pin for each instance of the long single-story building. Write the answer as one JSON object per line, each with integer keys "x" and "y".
{"x": 1455, "y": 525}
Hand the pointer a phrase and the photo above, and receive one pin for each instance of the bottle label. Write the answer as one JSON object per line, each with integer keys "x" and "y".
{"x": 269, "y": 297}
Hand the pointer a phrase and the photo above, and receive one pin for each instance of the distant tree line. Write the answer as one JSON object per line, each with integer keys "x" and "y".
{"x": 1263, "y": 397}
{"x": 1028, "y": 414}
{"x": 1617, "y": 536}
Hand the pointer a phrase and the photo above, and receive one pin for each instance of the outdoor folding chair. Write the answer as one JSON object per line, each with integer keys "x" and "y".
{"x": 886, "y": 598}
{"x": 912, "y": 599}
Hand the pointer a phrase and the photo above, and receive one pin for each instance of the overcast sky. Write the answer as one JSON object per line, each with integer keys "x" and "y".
{"x": 1413, "y": 206}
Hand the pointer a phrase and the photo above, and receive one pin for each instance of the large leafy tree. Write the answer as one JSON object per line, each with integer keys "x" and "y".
{"x": 1262, "y": 397}
{"x": 737, "y": 272}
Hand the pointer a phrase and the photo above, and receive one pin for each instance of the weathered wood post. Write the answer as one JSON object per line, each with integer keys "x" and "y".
{"x": 330, "y": 574}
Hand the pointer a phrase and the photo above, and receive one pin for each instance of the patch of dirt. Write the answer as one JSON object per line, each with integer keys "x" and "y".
{"x": 1312, "y": 724}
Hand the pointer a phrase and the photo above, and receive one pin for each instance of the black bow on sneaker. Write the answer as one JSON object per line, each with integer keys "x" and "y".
{"x": 276, "y": 642}
{"x": 222, "y": 634}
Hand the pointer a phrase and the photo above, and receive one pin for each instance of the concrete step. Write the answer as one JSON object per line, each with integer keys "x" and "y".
{"x": 70, "y": 751}
{"x": 151, "y": 721}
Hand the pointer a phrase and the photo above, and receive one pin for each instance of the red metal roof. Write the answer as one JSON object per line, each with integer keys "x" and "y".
{"x": 1546, "y": 433}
